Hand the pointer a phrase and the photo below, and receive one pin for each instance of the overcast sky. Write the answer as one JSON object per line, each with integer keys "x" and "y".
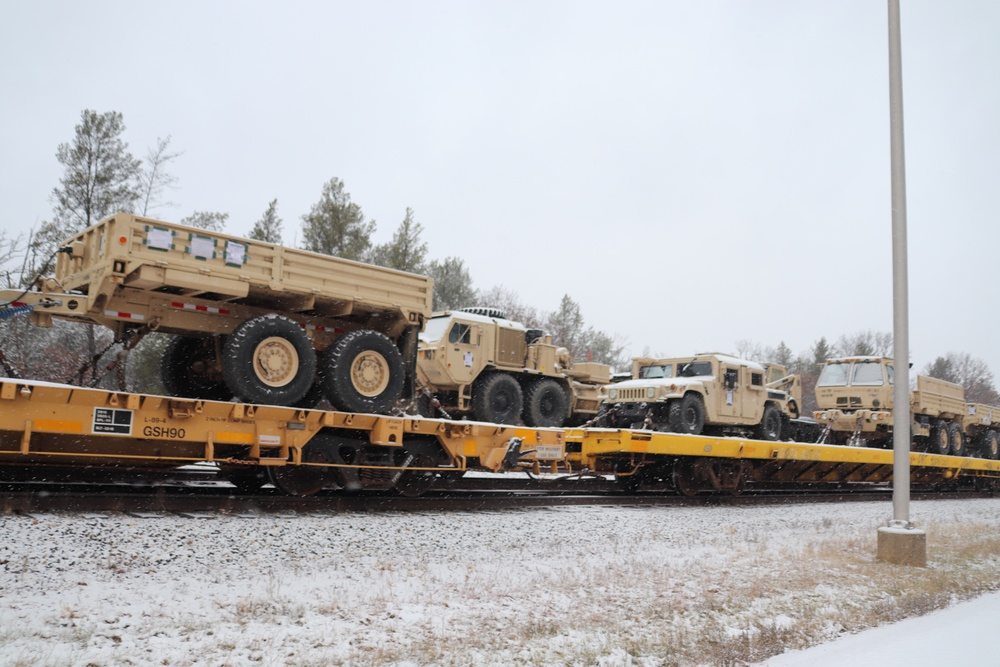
{"x": 692, "y": 173}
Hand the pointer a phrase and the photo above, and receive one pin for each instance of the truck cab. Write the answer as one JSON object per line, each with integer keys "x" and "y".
{"x": 479, "y": 364}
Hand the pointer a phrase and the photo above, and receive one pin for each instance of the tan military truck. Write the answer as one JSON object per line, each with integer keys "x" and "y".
{"x": 481, "y": 365}
{"x": 252, "y": 320}
{"x": 708, "y": 393}
{"x": 855, "y": 400}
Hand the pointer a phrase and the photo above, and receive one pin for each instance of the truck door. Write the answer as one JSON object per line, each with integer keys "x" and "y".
{"x": 754, "y": 396}
{"x": 465, "y": 358}
{"x": 731, "y": 396}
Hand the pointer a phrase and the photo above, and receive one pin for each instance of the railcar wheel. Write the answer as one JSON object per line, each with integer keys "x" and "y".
{"x": 246, "y": 479}
{"x": 629, "y": 477}
{"x": 304, "y": 480}
{"x": 939, "y": 438}
{"x": 363, "y": 372}
{"x": 956, "y": 440}
{"x": 415, "y": 483}
{"x": 684, "y": 482}
{"x": 770, "y": 424}
{"x": 496, "y": 397}
{"x": 269, "y": 359}
{"x": 990, "y": 447}
{"x": 545, "y": 403}
{"x": 189, "y": 370}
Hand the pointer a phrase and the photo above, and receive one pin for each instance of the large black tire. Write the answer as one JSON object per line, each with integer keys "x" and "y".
{"x": 363, "y": 372}
{"x": 269, "y": 359}
{"x": 940, "y": 441}
{"x": 770, "y": 424}
{"x": 956, "y": 440}
{"x": 189, "y": 370}
{"x": 989, "y": 447}
{"x": 496, "y": 398}
{"x": 687, "y": 415}
{"x": 545, "y": 403}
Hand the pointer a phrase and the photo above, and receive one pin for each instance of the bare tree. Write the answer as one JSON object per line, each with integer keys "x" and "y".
{"x": 154, "y": 178}
{"x": 972, "y": 373}
{"x": 865, "y": 344}
{"x": 209, "y": 220}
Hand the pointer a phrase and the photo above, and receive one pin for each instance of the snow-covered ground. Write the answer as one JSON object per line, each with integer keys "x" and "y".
{"x": 603, "y": 586}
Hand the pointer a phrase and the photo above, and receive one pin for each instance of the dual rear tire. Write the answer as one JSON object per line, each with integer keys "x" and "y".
{"x": 270, "y": 360}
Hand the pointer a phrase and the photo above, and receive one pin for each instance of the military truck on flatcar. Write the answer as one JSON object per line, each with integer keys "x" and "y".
{"x": 252, "y": 320}
{"x": 855, "y": 400}
{"x": 479, "y": 364}
{"x": 708, "y": 393}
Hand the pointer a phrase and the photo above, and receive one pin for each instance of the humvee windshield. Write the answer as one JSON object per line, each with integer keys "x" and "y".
{"x": 660, "y": 371}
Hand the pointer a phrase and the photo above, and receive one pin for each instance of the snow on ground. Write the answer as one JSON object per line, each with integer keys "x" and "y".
{"x": 609, "y": 586}
{"x": 960, "y": 635}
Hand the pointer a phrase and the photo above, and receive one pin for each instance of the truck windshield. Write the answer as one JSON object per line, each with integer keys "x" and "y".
{"x": 867, "y": 374}
{"x": 834, "y": 375}
{"x": 661, "y": 371}
{"x": 434, "y": 329}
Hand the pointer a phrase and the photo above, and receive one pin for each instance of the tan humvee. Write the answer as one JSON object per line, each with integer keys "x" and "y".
{"x": 479, "y": 364}
{"x": 257, "y": 321}
{"x": 709, "y": 392}
{"x": 855, "y": 400}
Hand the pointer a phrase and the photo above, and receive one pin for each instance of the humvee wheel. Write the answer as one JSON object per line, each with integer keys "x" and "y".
{"x": 956, "y": 440}
{"x": 189, "y": 370}
{"x": 269, "y": 359}
{"x": 545, "y": 403}
{"x": 687, "y": 415}
{"x": 496, "y": 397}
{"x": 363, "y": 372}
{"x": 770, "y": 424}
{"x": 939, "y": 438}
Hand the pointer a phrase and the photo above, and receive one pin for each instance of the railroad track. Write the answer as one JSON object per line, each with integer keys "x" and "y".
{"x": 215, "y": 498}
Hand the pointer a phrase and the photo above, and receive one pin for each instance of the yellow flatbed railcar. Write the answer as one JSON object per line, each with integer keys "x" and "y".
{"x": 302, "y": 451}
{"x": 703, "y": 463}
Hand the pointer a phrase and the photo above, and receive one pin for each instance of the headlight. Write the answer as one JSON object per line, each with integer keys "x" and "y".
{"x": 613, "y": 393}
{"x": 650, "y": 392}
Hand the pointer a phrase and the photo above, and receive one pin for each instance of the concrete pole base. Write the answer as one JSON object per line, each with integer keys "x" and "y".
{"x": 902, "y": 546}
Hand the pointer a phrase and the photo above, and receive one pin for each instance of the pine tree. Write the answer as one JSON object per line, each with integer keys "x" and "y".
{"x": 268, "y": 228}
{"x": 101, "y": 177}
{"x": 566, "y": 325}
{"x": 452, "y": 284}
{"x": 336, "y": 225}
{"x": 406, "y": 251}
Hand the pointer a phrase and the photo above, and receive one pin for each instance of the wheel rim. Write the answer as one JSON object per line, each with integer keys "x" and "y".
{"x": 370, "y": 373}
{"x": 275, "y": 361}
